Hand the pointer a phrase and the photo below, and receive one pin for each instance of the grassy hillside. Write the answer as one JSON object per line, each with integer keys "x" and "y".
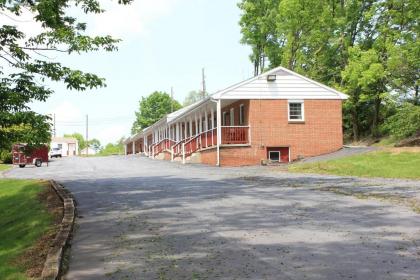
{"x": 388, "y": 163}
{"x": 23, "y": 220}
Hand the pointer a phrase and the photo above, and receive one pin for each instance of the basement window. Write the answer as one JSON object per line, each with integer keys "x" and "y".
{"x": 274, "y": 156}
{"x": 296, "y": 111}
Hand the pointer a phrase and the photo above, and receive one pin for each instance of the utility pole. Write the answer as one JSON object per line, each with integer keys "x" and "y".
{"x": 55, "y": 129}
{"x": 172, "y": 99}
{"x": 87, "y": 135}
{"x": 204, "y": 83}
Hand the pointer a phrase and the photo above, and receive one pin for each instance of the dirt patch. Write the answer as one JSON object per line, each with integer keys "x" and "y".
{"x": 34, "y": 258}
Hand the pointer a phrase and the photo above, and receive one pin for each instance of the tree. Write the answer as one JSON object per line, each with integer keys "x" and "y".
{"x": 194, "y": 96}
{"x": 153, "y": 108}
{"x": 95, "y": 144}
{"x": 258, "y": 29}
{"x": 369, "y": 49}
{"x": 26, "y": 66}
{"x": 113, "y": 148}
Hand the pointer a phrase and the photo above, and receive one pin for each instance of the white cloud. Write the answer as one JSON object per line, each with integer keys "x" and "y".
{"x": 112, "y": 133}
{"x": 125, "y": 21}
{"x": 67, "y": 112}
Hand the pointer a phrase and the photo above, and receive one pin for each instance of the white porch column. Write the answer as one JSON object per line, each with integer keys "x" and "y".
{"x": 125, "y": 149}
{"x": 185, "y": 129}
{"x": 206, "y": 120}
{"x": 212, "y": 126}
{"x": 191, "y": 134}
{"x": 219, "y": 130}
{"x": 145, "y": 151}
{"x": 206, "y": 124}
{"x": 196, "y": 124}
{"x": 200, "y": 122}
{"x": 177, "y": 131}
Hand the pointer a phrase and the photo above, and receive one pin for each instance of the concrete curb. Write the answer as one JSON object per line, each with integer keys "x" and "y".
{"x": 52, "y": 266}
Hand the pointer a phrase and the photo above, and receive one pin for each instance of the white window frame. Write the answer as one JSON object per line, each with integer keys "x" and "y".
{"x": 232, "y": 116}
{"x": 241, "y": 114}
{"x": 224, "y": 118}
{"x": 269, "y": 155}
{"x": 302, "y": 103}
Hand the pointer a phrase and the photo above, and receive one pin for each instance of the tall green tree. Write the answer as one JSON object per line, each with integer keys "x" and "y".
{"x": 258, "y": 23}
{"x": 153, "y": 108}
{"x": 26, "y": 67}
{"x": 367, "y": 48}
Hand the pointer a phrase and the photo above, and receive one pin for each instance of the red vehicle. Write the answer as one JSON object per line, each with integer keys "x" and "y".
{"x": 23, "y": 155}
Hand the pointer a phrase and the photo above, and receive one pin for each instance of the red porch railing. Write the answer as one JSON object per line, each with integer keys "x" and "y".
{"x": 204, "y": 140}
{"x": 231, "y": 135}
{"x": 235, "y": 135}
{"x": 163, "y": 145}
{"x": 177, "y": 148}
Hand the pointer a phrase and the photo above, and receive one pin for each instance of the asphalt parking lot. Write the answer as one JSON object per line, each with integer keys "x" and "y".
{"x": 149, "y": 219}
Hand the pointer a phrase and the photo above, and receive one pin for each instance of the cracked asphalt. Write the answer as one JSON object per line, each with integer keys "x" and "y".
{"x": 149, "y": 219}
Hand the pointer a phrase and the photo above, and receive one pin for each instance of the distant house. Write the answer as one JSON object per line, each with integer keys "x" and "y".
{"x": 69, "y": 146}
{"x": 89, "y": 151}
{"x": 278, "y": 116}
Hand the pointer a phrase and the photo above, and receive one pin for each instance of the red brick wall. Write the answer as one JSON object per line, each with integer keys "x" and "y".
{"x": 321, "y": 132}
{"x": 209, "y": 157}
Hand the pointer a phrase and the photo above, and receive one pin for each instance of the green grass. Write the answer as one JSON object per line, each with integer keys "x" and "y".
{"x": 4, "y": 167}
{"x": 23, "y": 220}
{"x": 375, "y": 164}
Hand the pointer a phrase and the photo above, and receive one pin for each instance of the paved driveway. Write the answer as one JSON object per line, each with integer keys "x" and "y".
{"x": 149, "y": 219}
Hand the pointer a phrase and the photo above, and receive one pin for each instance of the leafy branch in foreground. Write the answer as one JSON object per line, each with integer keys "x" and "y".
{"x": 26, "y": 65}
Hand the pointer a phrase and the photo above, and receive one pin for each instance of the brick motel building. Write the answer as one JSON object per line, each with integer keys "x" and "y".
{"x": 278, "y": 116}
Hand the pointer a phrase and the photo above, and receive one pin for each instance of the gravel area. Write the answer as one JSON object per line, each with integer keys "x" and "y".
{"x": 151, "y": 219}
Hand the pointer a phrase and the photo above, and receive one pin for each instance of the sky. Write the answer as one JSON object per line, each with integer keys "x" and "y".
{"x": 165, "y": 44}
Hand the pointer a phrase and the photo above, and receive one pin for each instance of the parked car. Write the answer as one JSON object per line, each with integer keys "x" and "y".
{"x": 55, "y": 153}
{"x": 24, "y": 155}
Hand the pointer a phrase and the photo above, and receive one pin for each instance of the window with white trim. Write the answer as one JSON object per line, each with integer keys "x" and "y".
{"x": 241, "y": 114}
{"x": 224, "y": 119}
{"x": 232, "y": 117}
{"x": 296, "y": 111}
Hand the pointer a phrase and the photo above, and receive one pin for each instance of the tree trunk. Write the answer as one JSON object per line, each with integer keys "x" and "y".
{"x": 355, "y": 124}
{"x": 416, "y": 95}
{"x": 375, "y": 119}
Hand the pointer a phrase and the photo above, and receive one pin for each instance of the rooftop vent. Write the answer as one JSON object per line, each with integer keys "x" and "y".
{"x": 271, "y": 78}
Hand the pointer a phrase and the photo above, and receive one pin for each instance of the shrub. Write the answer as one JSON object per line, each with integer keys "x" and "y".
{"x": 6, "y": 156}
{"x": 405, "y": 123}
